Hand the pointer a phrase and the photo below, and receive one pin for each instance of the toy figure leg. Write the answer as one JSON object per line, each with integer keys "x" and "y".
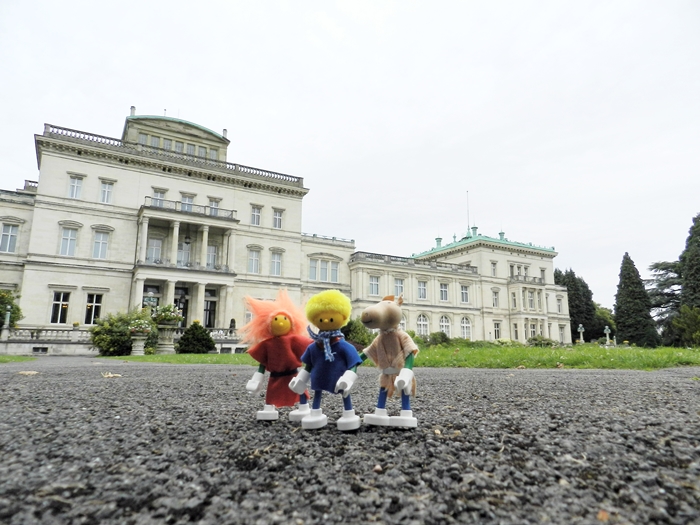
{"x": 316, "y": 418}
{"x": 349, "y": 420}
{"x": 406, "y": 419}
{"x": 303, "y": 410}
{"x": 380, "y": 417}
{"x": 269, "y": 413}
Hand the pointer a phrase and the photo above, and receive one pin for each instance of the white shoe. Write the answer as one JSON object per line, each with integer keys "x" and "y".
{"x": 379, "y": 418}
{"x": 269, "y": 413}
{"x": 349, "y": 421}
{"x": 405, "y": 420}
{"x": 300, "y": 413}
{"x": 315, "y": 419}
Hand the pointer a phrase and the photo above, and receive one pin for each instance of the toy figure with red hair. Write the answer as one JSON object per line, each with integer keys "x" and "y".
{"x": 277, "y": 335}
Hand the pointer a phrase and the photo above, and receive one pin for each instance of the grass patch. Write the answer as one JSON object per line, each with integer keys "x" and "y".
{"x": 579, "y": 356}
{"x": 463, "y": 354}
{"x": 15, "y": 359}
{"x": 190, "y": 359}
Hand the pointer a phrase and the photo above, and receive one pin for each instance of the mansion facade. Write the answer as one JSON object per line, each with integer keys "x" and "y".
{"x": 160, "y": 216}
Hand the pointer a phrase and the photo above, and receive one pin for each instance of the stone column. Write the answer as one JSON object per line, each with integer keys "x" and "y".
{"x": 226, "y": 303}
{"x": 169, "y": 295}
{"x": 143, "y": 242}
{"x": 203, "y": 247}
{"x": 137, "y": 295}
{"x": 174, "y": 237}
{"x": 197, "y": 303}
{"x": 230, "y": 260}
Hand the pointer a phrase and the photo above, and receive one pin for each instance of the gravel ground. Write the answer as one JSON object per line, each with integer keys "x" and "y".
{"x": 180, "y": 444}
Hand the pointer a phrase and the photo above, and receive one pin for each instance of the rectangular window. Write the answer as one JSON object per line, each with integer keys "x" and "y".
{"x": 93, "y": 307}
{"x": 512, "y": 270}
{"x": 158, "y": 197}
{"x": 143, "y": 138}
{"x": 69, "y": 237}
{"x": 443, "y": 292}
{"x": 313, "y": 269}
{"x": 255, "y": 212}
{"x": 542, "y": 274}
{"x": 515, "y": 331}
{"x": 211, "y": 256}
{"x": 277, "y": 219}
{"x": 495, "y": 299}
{"x": 398, "y": 287}
{"x": 253, "y": 261}
{"x": 422, "y": 289}
{"x": 373, "y": 285}
{"x": 323, "y": 276}
{"x": 465, "y": 293}
{"x": 531, "y": 300}
{"x": 560, "y": 306}
{"x": 106, "y": 192}
{"x": 167, "y": 144}
{"x": 213, "y": 208}
{"x": 8, "y": 241}
{"x": 59, "y": 308}
{"x": 539, "y": 300}
{"x": 533, "y": 329}
{"x": 183, "y": 254}
{"x": 334, "y": 272}
{"x": 493, "y": 269}
{"x": 209, "y": 314}
{"x": 99, "y": 249}
{"x": 179, "y": 147}
{"x": 190, "y": 149}
{"x": 514, "y": 301}
{"x": 202, "y": 151}
{"x": 153, "y": 250}
{"x": 525, "y": 270}
{"x": 76, "y": 185}
{"x": 276, "y": 263}
{"x": 187, "y": 201}
{"x": 213, "y": 154}
{"x": 561, "y": 334}
{"x": 155, "y": 142}
{"x": 496, "y": 330}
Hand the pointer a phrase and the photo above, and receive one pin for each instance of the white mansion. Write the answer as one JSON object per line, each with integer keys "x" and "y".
{"x": 159, "y": 216}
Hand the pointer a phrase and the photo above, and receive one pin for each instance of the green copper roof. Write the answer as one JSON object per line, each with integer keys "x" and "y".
{"x": 171, "y": 119}
{"x": 474, "y": 239}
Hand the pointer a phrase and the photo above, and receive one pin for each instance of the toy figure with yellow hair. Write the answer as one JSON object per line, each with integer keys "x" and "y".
{"x": 277, "y": 334}
{"x": 330, "y": 361}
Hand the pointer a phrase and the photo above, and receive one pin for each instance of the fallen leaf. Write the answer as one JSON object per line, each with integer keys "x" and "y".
{"x": 560, "y": 365}
{"x": 437, "y": 432}
{"x": 110, "y": 374}
{"x": 28, "y": 373}
{"x": 603, "y": 515}
{"x": 521, "y": 367}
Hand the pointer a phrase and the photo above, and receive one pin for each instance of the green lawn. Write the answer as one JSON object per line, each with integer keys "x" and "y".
{"x": 14, "y": 359}
{"x": 482, "y": 355}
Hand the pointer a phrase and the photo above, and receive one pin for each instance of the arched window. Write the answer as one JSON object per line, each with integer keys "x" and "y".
{"x": 422, "y": 324}
{"x": 445, "y": 325}
{"x": 466, "y": 328}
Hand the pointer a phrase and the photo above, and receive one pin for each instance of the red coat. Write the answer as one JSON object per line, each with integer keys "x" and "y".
{"x": 281, "y": 357}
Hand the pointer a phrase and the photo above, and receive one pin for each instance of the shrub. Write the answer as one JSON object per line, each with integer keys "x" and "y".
{"x": 356, "y": 332}
{"x": 195, "y": 340}
{"x": 166, "y": 314}
{"x": 438, "y": 338}
{"x": 540, "y": 340}
{"x": 112, "y": 334}
{"x": 7, "y": 298}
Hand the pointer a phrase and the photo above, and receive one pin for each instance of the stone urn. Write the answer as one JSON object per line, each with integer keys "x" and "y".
{"x": 138, "y": 341}
{"x": 166, "y": 333}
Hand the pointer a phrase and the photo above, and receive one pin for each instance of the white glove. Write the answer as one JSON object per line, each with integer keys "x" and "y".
{"x": 300, "y": 383}
{"x": 345, "y": 382}
{"x": 255, "y": 383}
{"x": 404, "y": 381}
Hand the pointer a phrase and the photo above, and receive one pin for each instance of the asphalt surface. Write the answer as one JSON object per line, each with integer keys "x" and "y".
{"x": 180, "y": 444}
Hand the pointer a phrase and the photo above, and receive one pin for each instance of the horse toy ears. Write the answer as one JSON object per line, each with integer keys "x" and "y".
{"x": 398, "y": 300}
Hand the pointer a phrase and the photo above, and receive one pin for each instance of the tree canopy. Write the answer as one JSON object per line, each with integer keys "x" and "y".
{"x": 581, "y": 306}
{"x": 690, "y": 266}
{"x": 633, "y": 308}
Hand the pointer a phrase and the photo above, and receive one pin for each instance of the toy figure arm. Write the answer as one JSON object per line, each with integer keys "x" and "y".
{"x": 255, "y": 384}
{"x": 346, "y": 381}
{"x": 409, "y": 361}
{"x": 404, "y": 381}
{"x": 300, "y": 382}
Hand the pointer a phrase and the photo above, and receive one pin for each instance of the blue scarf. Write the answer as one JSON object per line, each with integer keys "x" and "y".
{"x": 325, "y": 338}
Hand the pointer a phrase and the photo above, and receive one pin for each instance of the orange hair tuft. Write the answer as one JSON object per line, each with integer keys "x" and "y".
{"x": 258, "y": 329}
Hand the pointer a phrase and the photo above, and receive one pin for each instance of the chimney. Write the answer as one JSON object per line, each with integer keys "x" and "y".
{"x": 474, "y": 228}
{"x": 225, "y": 132}
{"x": 502, "y": 236}
{"x": 438, "y": 241}
{"x": 133, "y": 110}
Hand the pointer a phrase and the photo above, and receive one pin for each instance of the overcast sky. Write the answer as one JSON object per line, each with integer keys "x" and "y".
{"x": 570, "y": 124}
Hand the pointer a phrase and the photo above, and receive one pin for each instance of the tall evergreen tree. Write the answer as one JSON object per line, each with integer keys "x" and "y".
{"x": 690, "y": 266}
{"x": 664, "y": 289}
{"x": 633, "y": 308}
{"x": 581, "y": 305}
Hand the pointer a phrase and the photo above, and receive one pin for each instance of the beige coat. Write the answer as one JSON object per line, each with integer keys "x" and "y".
{"x": 389, "y": 351}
